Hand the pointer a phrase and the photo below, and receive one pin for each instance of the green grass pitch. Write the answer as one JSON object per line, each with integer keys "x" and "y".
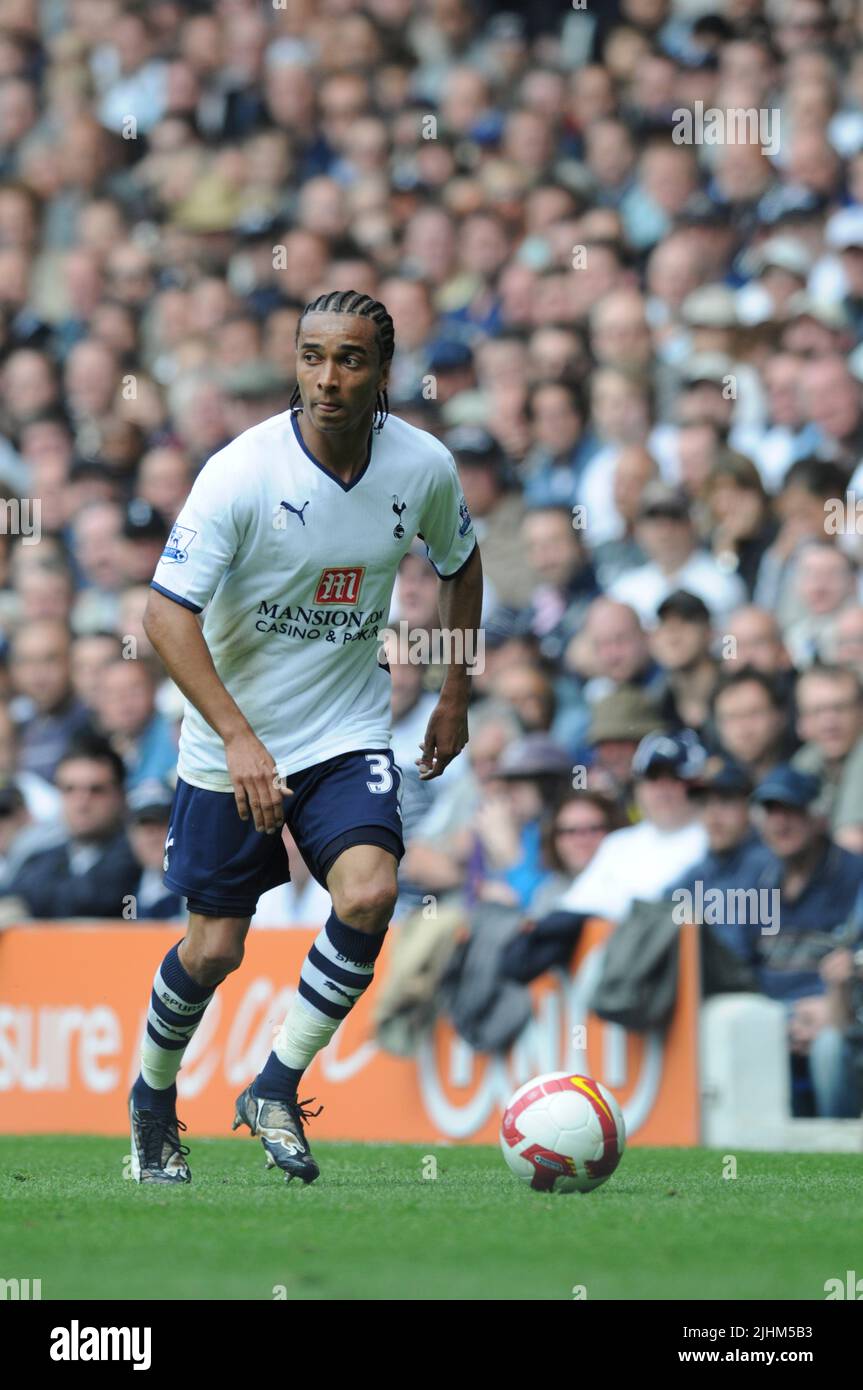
{"x": 667, "y": 1225}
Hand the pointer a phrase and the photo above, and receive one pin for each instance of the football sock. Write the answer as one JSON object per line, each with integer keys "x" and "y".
{"x": 338, "y": 969}
{"x": 177, "y": 1005}
{"x": 161, "y": 1102}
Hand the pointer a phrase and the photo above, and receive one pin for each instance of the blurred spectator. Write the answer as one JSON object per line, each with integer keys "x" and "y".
{"x": 618, "y": 724}
{"x": 639, "y": 861}
{"x": 753, "y": 638}
{"x": 667, "y": 536}
{"x": 127, "y": 716}
{"x": 681, "y": 644}
{"x": 567, "y": 582}
{"x": 736, "y": 855}
{"x": 92, "y": 654}
{"x": 497, "y": 512}
{"x": 742, "y": 527}
{"x": 148, "y": 812}
{"x": 829, "y": 702}
{"x": 93, "y": 873}
{"x": 47, "y": 712}
{"x": 818, "y": 884}
{"x": 751, "y": 721}
{"x": 505, "y": 859}
{"x": 20, "y": 834}
{"x": 40, "y": 796}
{"x": 824, "y": 585}
{"x": 644, "y": 358}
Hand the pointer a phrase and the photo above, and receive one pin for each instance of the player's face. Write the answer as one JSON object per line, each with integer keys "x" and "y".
{"x": 339, "y": 372}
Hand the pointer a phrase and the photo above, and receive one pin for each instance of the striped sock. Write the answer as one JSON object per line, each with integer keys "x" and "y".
{"x": 338, "y": 969}
{"x": 177, "y": 1005}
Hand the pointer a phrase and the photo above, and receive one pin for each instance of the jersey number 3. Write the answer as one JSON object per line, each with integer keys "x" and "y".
{"x": 380, "y": 766}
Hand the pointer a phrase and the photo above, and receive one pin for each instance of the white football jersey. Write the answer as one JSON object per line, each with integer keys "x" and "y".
{"x": 295, "y": 569}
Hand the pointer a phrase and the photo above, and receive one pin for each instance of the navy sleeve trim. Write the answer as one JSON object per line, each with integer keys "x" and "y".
{"x": 455, "y": 574}
{"x": 193, "y": 607}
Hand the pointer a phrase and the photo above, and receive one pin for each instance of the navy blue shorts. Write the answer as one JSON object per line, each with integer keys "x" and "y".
{"x": 222, "y": 864}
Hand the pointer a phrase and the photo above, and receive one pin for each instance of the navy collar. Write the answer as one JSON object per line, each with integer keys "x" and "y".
{"x": 345, "y": 487}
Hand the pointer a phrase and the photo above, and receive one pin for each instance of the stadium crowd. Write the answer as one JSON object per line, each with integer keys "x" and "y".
{"x": 645, "y": 355}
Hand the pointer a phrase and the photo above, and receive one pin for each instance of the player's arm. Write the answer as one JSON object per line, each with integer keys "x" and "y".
{"x": 460, "y": 606}
{"x": 176, "y": 635}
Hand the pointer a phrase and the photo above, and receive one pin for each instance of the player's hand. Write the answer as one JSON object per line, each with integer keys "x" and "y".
{"x": 258, "y": 790}
{"x": 446, "y": 735}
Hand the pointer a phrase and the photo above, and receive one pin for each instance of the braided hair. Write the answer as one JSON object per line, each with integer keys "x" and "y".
{"x": 352, "y": 302}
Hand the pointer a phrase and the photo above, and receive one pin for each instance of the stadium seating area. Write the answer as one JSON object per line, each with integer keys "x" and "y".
{"x": 642, "y": 346}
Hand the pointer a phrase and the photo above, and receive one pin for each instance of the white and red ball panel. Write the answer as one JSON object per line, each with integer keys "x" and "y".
{"x": 563, "y": 1132}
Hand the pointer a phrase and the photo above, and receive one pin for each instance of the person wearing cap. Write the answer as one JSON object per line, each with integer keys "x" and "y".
{"x": 148, "y": 812}
{"x": 736, "y": 855}
{"x": 816, "y": 327}
{"x": 710, "y": 314}
{"x": 450, "y": 362}
{"x": 144, "y": 533}
{"x": 680, "y": 644}
{"x": 640, "y": 860}
{"x": 780, "y": 267}
{"x": 618, "y": 723}
{"x": 497, "y": 510}
{"x": 666, "y": 534}
{"x": 254, "y": 390}
{"x": 505, "y": 862}
{"x": 818, "y": 883}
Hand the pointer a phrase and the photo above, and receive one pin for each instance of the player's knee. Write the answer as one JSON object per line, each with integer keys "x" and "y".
{"x": 368, "y": 904}
{"x": 220, "y": 962}
{"x": 217, "y": 954}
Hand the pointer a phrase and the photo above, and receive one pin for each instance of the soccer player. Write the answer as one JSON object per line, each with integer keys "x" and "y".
{"x": 290, "y": 539}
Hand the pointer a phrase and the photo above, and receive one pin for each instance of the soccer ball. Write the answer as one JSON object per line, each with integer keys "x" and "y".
{"x": 563, "y": 1133}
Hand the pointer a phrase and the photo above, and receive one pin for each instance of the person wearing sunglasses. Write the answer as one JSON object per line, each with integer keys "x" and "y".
{"x": 93, "y": 872}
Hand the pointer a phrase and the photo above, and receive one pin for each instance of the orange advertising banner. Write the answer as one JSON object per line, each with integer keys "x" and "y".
{"x": 73, "y": 1002}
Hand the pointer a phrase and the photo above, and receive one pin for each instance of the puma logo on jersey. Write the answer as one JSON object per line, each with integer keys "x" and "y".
{"x": 297, "y": 511}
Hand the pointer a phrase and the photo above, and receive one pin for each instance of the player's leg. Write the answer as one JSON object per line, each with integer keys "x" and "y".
{"x": 336, "y": 973}
{"x": 340, "y": 965}
{"x": 183, "y": 986}
{"x": 221, "y": 865}
{"x": 346, "y": 820}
